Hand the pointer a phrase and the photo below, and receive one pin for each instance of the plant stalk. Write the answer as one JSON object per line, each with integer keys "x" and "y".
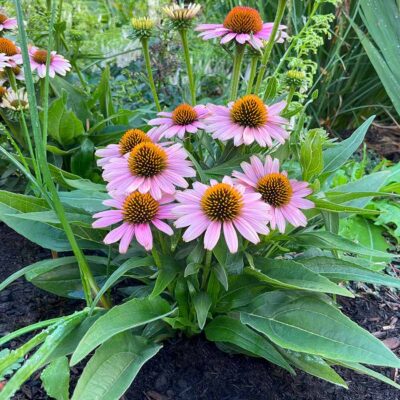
{"x": 253, "y": 71}
{"x": 146, "y": 53}
{"x": 270, "y": 44}
{"x": 192, "y": 86}
{"x": 206, "y": 270}
{"x": 237, "y": 66}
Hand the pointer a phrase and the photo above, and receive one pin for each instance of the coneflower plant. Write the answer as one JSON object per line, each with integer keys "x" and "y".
{"x": 220, "y": 214}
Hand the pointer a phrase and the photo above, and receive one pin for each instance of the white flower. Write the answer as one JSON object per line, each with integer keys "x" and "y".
{"x": 15, "y": 100}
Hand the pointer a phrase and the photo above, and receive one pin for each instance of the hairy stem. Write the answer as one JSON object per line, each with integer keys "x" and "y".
{"x": 192, "y": 86}
{"x": 146, "y": 53}
{"x": 270, "y": 44}
{"x": 237, "y": 66}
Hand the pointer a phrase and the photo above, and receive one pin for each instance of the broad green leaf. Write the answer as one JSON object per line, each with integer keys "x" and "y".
{"x": 372, "y": 182}
{"x": 390, "y": 214}
{"x": 270, "y": 90}
{"x": 311, "y": 159}
{"x": 221, "y": 275}
{"x": 121, "y": 271}
{"x": 82, "y": 161}
{"x": 192, "y": 269}
{"x": 293, "y": 275}
{"x": 114, "y": 366}
{"x": 336, "y": 156}
{"x": 309, "y": 325}
{"x": 361, "y": 230}
{"x": 64, "y": 126}
{"x": 40, "y": 357}
{"x": 51, "y": 217}
{"x": 202, "y": 303}
{"x": 229, "y": 330}
{"x": 133, "y": 313}
{"x": 166, "y": 274}
{"x": 315, "y": 366}
{"x": 341, "y": 270}
{"x": 90, "y": 201}
{"x": 232, "y": 263}
{"x": 55, "y": 379}
{"x": 342, "y": 197}
{"x": 330, "y": 241}
{"x": 61, "y": 276}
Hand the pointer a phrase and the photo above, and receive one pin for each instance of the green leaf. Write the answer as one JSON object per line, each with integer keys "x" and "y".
{"x": 63, "y": 124}
{"x": 133, "y": 313}
{"x": 309, "y": 325}
{"x": 169, "y": 270}
{"x": 311, "y": 159}
{"x": 121, "y": 271}
{"x": 221, "y": 275}
{"x": 87, "y": 200}
{"x": 321, "y": 204}
{"x": 82, "y": 161}
{"x": 330, "y": 241}
{"x": 293, "y": 275}
{"x": 55, "y": 379}
{"x": 336, "y": 156}
{"x": 341, "y": 270}
{"x": 229, "y": 330}
{"x": 232, "y": 263}
{"x": 202, "y": 303}
{"x": 61, "y": 276}
{"x": 270, "y": 90}
{"x": 114, "y": 366}
{"x": 390, "y": 215}
{"x": 315, "y": 366}
{"x": 342, "y": 197}
{"x": 364, "y": 232}
{"x": 192, "y": 269}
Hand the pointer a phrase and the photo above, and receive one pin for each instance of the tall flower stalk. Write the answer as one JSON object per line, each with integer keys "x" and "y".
{"x": 181, "y": 18}
{"x": 270, "y": 44}
{"x": 142, "y": 30}
{"x": 237, "y": 66}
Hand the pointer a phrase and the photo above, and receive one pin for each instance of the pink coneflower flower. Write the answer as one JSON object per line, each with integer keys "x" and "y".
{"x": 136, "y": 211}
{"x": 11, "y": 50}
{"x": 151, "y": 168}
{"x": 243, "y": 24}
{"x": 184, "y": 119}
{"x": 130, "y": 139}
{"x": 4, "y": 61}
{"x": 221, "y": 206}
{"x": 285, "y": 196}
{"x": 58, "y": 64}
{"x": 247, "y": 120}
{"x": 7, "y": 24}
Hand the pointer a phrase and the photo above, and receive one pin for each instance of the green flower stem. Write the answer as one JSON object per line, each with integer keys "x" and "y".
{"x": 270, "y": 44}
{"x": 146, "y": 53}
{"x": 206, "y": 270}
{"x": 291, "y": 93}
{"x": 185, "y": 44}
{"x": 237, "y": 64}
{"x": 253, "y": 71}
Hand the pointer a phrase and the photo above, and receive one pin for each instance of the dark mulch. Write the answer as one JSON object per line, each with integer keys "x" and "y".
{"x": 190, "y": 369}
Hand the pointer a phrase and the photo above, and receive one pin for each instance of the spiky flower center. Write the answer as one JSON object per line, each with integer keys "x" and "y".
{"x": 249, "y": 111}
{"x": 222, "y": 202}
{"x": 142, "y": 23}
{"x": 184, "y": 114}
{"x": 147, "y": 159}
{"x": 275, "y": 189}
{"x": 139, "y": 208}
{"x": 3, "y": 18}
{"x": 131, "y": 139}
{"x": 3, "y": 91}
{"x": 40, "y": 56}
{"x": 8, "y": 47}
{"x": 243, "y": 20}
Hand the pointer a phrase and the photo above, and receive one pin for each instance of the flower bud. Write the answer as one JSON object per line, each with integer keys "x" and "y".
{"x": 180, "y": 16}
{"x": 142, "y": 27}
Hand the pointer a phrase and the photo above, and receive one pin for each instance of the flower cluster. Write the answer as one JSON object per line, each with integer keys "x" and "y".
{"x": 11, "y": 67}
{"x": 148, "y": 174}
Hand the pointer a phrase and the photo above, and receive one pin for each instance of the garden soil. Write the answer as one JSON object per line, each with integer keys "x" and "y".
{"x": 191, "y": 369}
